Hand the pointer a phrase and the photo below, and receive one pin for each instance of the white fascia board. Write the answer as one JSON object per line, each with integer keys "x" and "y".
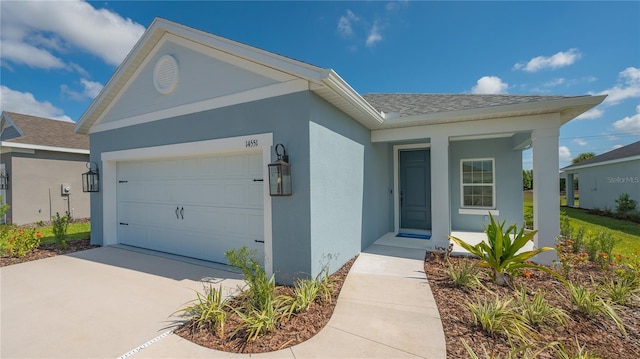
{"x": 584, "y": 103}
{"x": 603, "y": 163}
{"x": 332, "y": 80}
{"x": 43, "y": 148}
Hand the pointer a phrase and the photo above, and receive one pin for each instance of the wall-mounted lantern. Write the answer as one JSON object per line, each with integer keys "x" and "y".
{"x": 280, "y": 174}
{"x": 4, "y": 180}
{"x": 91, "y": 179}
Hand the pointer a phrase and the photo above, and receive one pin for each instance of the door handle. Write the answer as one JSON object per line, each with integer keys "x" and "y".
{"x": 177, "y": 214}
{"x": 401, "y": 198}
{"x": 182, "y": 212}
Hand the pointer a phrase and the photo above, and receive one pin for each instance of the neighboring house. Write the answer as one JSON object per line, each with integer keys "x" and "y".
{"x": 42, "y": 157}
{"x": 603, "y": 178}
{"x": 185, "y": 129}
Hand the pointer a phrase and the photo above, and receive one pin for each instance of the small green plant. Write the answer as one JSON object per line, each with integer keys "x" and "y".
{"x": 261, "y": 289}
{"x": 623, "y": 286}
{"x": 464, "y": 275}
{"x": 580, "y": 353}
{"x": 590, "y": 303}
{"x": 522, "y": 352}
{"x": 18, "y": 242}
{"x": 208, "y": 310}
{"x": 567, "y": 257}
{"x": 305, "y": 292}
{"x": 500, "y": 252}
{"x": 256, "y": 322}
{"x": 499, "y": 316}
{"x": 625, "y": 205}
{"x": 60, "y": 226}
{"x": 538, "y": 311}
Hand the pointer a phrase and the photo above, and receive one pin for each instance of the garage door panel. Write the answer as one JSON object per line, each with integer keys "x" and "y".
{"x": 220, "y": 206}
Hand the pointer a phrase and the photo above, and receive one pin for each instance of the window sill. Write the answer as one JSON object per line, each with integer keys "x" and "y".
{"x": 478, "y": 212}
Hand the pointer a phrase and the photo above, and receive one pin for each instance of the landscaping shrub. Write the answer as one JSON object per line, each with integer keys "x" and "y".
{"x": 499, "y": 316}
{"x": 60, "y": 226}
{"x": 18, "y": 242}
{"x": 208, "y": 310}
{"x": 500, "y": 252}
{"x": 464, "y": 275}
{"x": 625, "y": 205}
{"x": 590, "y": 303}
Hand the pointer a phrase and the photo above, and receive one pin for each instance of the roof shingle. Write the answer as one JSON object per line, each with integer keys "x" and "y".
{"x": 619, "y": 153}
{"x": 421, "y": 104}
{"x": 47, "y": 132}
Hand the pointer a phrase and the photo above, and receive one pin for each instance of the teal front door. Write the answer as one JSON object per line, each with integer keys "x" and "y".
{"x": 415, "y": 189}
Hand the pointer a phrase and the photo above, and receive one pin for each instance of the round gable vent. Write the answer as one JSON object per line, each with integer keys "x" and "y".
{"x": 165, "y": 74}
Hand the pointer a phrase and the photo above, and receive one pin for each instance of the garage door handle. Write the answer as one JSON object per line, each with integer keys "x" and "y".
{"x": 177, "y": 213}
{"x": 182, "y": 212}
{"x": 258, "y": 180}
{"x": 258, "y": 241}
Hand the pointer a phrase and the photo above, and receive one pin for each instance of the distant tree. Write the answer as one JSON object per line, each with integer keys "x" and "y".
{"x": 583, "y": 156}
{"x": 527, "y": 179}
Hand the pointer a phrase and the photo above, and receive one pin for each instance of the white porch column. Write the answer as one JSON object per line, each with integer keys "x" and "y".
{"x": 569, "y": 190}
{"x": 440, "y": 198}
{"x": 546, "y": 190}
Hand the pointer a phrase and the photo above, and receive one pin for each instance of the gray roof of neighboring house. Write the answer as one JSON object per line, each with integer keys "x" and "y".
{"x": 420, "y": 104}
{"x": 619, "y": 153}
{"x": 46, "y": 132}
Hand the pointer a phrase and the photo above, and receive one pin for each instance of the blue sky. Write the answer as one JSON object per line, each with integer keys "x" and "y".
{"x": 57, "y": 55}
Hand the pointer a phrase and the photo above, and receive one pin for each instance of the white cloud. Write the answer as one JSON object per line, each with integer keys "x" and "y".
{"x": 555, "y": 82}
{"x": 490, "y": 85}
{"x": 345, "y": 22}
{"x": 42, "y": 28}
{"x": 26, "y": 103}
{"x": 564, "y": 154}
{"x": 91, "y": 89}
{"x": 628, "y": 87}
{"x": 591, "y": 114}
{"x": 374, "y": 35}
{"x": 629, "y": 124}
{"x": 580, "y": 141}
{"x": 560, "y": 59}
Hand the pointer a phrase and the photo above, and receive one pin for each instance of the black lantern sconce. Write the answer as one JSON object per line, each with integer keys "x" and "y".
{"x": 4, "y": 180}
{"x": 280, "y": 174}
{"x": 91, "y": 179}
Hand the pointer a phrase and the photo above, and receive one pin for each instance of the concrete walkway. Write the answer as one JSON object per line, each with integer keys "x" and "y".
{"x": 114, "y": 303}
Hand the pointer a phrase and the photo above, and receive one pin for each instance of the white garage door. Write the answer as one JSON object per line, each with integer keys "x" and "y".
{"x": 196, "y": 207}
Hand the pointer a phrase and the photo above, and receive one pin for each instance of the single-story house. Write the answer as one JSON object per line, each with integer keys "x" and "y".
{"x": 185, "y": 129}
{"x": 603, "y": 178}
{"x": 41, "y": 160}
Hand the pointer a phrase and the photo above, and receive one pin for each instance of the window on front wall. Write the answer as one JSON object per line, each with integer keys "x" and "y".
{"x": 478, "y": 183}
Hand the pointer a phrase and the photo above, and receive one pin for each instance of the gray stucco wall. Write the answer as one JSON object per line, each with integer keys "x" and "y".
{"x": 373, "y": 212}
{"x": 284, "y": 116}
{"x": 600, "y": 186}
{"x": 508, "y": 181}
{"x": 35, "y": 185}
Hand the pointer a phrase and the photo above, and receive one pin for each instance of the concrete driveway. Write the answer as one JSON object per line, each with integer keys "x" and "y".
{"x": 100, "y": 303}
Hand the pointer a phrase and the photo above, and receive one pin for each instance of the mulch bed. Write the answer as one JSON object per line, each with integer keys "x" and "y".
{"x": 49, "y": 250}
{"x": 597, "y": 335}
{"x": 289, "y": 332}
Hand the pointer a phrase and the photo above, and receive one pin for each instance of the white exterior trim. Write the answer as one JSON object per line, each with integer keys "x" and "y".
{"x": 478, "y": 212}
{"x": 603, "y": 163}
{"x": 261, "y": 93}
{"x": 43, "y": 148}
{"x": 230, "y": 144}
{"x": 396, "y": 179}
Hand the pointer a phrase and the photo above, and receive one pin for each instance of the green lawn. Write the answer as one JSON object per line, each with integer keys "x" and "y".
{"x": 75, "y": 231}
{"x": 628, "y": 232}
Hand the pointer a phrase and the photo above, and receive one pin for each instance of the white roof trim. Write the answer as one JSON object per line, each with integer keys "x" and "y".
{"x": 43, "y": 148}
{"x": 610, "y": 162}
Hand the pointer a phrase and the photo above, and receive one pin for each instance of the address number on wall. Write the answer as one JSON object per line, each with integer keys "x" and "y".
{"x": 251, "y": 143}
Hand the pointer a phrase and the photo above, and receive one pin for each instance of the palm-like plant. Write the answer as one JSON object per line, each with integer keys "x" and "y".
{"x": 500, "y": 252}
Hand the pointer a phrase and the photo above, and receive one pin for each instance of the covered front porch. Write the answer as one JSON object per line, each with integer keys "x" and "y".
{"x": 473, "y": 238}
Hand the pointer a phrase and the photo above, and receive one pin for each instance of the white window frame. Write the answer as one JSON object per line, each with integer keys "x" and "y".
{"x": 493, "y": 185}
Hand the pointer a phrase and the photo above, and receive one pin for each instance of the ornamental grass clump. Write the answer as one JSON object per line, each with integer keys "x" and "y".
{"x": 464, "y": 275}
{"x": 590, "y": 303}
{"x": 500, "y": 251}
{"x": 500, "y": 316}
{"x": 537, "y": 311}
{"x": 208, "y": 310}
